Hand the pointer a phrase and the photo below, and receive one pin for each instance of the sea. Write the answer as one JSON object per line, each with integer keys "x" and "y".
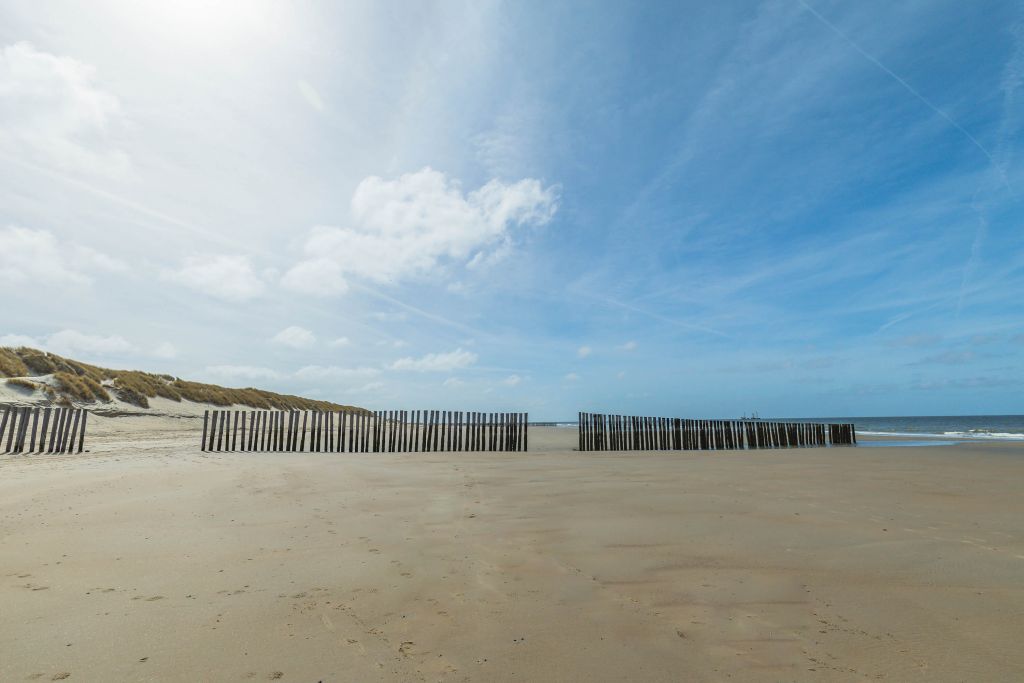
{"x": 957, "y": 427}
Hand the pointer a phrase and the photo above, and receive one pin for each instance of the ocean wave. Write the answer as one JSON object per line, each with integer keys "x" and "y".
{"x": 969, "y": 434}
{"x": 983, "y": 434}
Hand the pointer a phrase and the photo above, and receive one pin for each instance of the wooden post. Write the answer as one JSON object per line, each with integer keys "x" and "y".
{"x": 219, "y": 415}
{"x": 42, "y": 430}
{"x": 244, "y": 446}
{"x": 64, "y": 436}
{"x": 57, "y": 430}
{"x": 352, "y": 431}
{"x": 74, "y": 431}
{"x": 6, "y": 418}
{"x": 81, "y": 434}
{"x": 35, "y": 425}
{"x": 344, "y": 425}
{"x": 359, "y": 421}
{"x": 414, "y": 432}
{"x": 12, "y": 439}
{"x": 19, "y": 438}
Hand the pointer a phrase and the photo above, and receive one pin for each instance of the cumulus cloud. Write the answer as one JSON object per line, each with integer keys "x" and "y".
{"x": 340, "y": 341}
{"x": 436, "y": 362}
{"x": 230, "y": 278}
{"x": 53, "y": 111}
{"x": 36, "y": 257}
{"x": 453, "y": 383}
{"x": 294, "y": 337}
{"x": 584, "y": 351}
{"x": 417, "y": 226}
{"x": 571, "y": 377}
{"x": 317, "y": 276}
{"x": 512, "y": 380}
{"x": 629, "y": 346}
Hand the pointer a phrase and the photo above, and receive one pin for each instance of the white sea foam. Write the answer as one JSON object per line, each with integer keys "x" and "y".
{"x": 971, "y": 434}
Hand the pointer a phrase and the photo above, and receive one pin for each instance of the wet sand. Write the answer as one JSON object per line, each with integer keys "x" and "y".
{"x": 148, "y": 560}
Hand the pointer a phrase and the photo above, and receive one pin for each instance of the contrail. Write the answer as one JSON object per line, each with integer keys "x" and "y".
{"x": 657, "y": 316}
{"x": 899, "y": 80}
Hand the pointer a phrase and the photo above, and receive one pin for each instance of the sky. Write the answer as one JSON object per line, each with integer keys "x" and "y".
{"x": 799, "y": 207}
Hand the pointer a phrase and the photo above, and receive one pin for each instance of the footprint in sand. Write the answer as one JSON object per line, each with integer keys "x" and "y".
{"x": 60, "y": 676}
{"x": 276, "y": 675}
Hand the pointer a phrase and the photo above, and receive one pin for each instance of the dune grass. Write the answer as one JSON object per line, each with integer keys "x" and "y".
{"x": 23, "y": 383}
{"x": 87, "y": 383}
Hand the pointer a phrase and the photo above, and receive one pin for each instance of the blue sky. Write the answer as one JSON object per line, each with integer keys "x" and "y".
{"x": 693, "y": 209}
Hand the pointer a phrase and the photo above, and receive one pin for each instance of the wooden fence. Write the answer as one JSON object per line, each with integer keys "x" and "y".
{"x": 58, "y": 429}
{"x": 632, "y": 433}
{"x": 391, "y": 431}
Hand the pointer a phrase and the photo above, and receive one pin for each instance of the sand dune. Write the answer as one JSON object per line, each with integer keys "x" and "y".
{"x": 145, "y": 559}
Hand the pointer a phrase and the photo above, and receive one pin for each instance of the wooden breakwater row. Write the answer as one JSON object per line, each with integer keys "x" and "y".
{"x": 59, "y": 430}
{"x": 388, "y": 431}
{"x": 633, "y": 433}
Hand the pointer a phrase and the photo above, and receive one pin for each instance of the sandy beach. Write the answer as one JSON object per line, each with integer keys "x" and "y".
{"x": 145, "y": 559}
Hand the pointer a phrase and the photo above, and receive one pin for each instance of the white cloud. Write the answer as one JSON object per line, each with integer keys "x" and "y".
{"x": 73, "y": 343}
{"x": 246, "y": 372}
{"x": 311, "y": 372}
{"x": 416, "y": 226}
{"x": 453, "y": 383}
{"x": 53, "y": 112}
{"x": 165, "y": 350}
{"x": 584, "y": 351}
{"x": 620, "y": 375}
{"x": 230, "y": 278}
{"x": 317, "y": 276}
{"x": 38, "y": 258}
{"x": 436, "y": 362}
{"x": 629, "y": 346}
{"x": 70, "y": 342}
{"x": 310, "y": 94}
{"x": 340, "y": 341}
{"x": 369, "y": 388}
{"x": 18, "y": 340}
{"x": 571, "y": 377}
{"x": 512, "y": 380}
{"x": 294, "y": 337}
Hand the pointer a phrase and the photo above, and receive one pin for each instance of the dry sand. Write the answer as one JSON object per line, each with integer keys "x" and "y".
{"x": 148, "y": 560}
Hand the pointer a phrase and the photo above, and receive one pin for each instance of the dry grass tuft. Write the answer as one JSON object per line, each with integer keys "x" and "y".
{"x": 80, "y": 387}
{"x": 11, "y": 364}
{"x": 23, "y": 383}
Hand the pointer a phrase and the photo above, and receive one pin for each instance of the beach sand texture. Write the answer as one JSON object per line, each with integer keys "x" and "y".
{"x": 145, "y": 559}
